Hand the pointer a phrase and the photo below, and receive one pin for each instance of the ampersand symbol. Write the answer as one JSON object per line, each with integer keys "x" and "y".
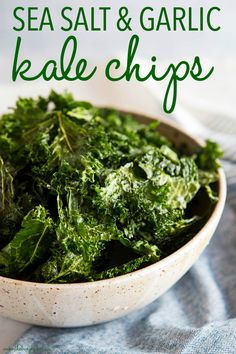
{"x": 123, "y": 23}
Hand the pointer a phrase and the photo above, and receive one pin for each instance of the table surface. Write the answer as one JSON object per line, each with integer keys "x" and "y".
{"x": 10, "y": 331}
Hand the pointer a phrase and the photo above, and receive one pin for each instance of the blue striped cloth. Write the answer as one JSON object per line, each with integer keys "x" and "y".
{"x": 196, "y": 316}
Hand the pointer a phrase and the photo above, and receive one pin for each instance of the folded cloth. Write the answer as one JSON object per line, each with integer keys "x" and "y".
{"x": 197, "y": 315}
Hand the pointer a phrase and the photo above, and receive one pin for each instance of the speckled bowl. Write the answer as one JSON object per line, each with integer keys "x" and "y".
{"x": 71, "y": 305}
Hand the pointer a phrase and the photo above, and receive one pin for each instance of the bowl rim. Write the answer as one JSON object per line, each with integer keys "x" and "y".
{"x": 163, "y": 263}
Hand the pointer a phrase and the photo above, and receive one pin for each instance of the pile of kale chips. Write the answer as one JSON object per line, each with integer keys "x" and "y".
{"x": 89, "y": 194}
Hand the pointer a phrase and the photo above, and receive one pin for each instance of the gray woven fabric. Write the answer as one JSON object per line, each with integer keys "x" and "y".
{"x": 196, "y": 316}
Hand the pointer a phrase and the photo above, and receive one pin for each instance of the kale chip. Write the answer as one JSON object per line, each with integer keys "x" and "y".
{"x": 89, "y": 194}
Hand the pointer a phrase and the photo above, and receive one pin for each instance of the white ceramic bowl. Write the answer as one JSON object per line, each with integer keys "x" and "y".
{"x": 71, "y": 305}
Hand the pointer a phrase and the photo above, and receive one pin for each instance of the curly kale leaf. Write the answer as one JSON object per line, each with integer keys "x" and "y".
{"x": 208, "y": 156}
{"x": 30, "y": 245}
{"x": 63, "y": 268}
{"x": 10, "y": 213}
{"x": 155, "y": 201}
{"x": 79, "y": 243}
{"x": 208, "y": 163}
{"x": 6, "y": 188}
{"x": 122, "y": 269}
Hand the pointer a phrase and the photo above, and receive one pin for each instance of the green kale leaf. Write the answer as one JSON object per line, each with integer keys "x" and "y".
{"x": 29, "y": 245}
{"x": 89, "y": 193}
